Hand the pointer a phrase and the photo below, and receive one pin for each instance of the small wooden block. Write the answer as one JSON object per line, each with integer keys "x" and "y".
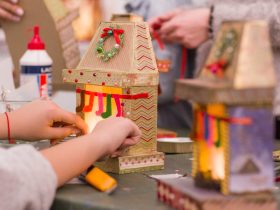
{"x": 174, "y": 145}
{"x": 131, "y": 164}
{"x": 180, "y": 193}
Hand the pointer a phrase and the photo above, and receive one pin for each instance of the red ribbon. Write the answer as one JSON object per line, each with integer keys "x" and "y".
{"x": 233, "y": 120}
{"x": 121, "y": 96}
{"x": 116, "y": 33}
{"x": 158, "y": 39}
{"x": 183, "y": 63}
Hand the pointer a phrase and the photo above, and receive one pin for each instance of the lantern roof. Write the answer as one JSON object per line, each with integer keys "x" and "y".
{"x": 134, "y": 63}
{"x": 238, "y": 70}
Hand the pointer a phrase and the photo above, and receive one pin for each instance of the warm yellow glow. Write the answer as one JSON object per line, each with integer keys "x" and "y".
{"x": 90, "y": 117}
{"x": 204, "y": 154}
{"x": 218, "y": 163}
{"x": 211, "y": 158}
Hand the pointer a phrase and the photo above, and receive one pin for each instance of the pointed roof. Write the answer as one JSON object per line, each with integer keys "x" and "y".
{"x": 134, "y": 65}
{"x": 248, "y": 78}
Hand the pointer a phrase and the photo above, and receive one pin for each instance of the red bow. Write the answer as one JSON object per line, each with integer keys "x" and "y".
{"x": 116, "y": 33}
{"x": 217, "y": 67}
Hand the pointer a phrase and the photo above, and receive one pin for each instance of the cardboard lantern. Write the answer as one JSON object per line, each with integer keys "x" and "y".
{"x": 233, "y": 123}
{"x": 127, "y": 17}
{"x": 118, "y": 76}
{"x": 55, "y": 22}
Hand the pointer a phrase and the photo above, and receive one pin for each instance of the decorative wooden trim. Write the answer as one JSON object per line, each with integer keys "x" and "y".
{"x": 220, "y": 93}
{"x": 116, "y": 79}
{"x": 180, "y": 193}
{"x": 135, "y": 163}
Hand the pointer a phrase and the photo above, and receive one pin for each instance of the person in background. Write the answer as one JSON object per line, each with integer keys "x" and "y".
{"x": 172, "y": 113}
{"x": 10, "y": 11}
{"x": 29, "y": 178}
{"x": 196, "y": 28}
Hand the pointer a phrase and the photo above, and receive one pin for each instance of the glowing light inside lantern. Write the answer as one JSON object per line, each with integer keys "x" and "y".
{"x": 218, "y": 163}
{"x": 211, "y": 159}
{"x": 100, "y": 106}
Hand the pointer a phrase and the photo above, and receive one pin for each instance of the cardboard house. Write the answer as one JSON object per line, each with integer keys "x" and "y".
{"x": 56, "y": 30}
{"x": 233, "y": 123}
{"x": 121, "y": 80}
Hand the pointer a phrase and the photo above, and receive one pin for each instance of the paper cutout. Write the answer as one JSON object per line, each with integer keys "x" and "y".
{"x": 82, "y": 103}
{"x": 88, "y": 108}
{"x": 218, "y": 129}
{"x": 118, "y": 105}
{"x": 208, "y": 127}
{"x": 100, "y": 104}
{"x": 100, "y": 112}
{"x": 108, "y": 111}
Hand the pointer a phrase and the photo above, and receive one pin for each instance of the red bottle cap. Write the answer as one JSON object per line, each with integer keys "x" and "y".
{"x": 36, "y": 43}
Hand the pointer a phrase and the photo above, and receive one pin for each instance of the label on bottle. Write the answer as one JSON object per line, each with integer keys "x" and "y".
{"x": 43, "y": 75}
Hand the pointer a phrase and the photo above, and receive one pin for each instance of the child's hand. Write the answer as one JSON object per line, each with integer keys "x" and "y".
{"x": 116, "y": 134}
{"x": 10, "y": 11}
{"x": 36, "y": 120}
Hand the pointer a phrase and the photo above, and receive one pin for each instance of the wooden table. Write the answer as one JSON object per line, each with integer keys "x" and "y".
{"x": 135, "y": 191}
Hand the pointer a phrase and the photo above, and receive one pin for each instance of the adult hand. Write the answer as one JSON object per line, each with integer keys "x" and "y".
{"x": 155, "y": 23}
{"x": 9, "y": 10}
{"x": 37, "y": 120}
{"x": 116, "y": 134}
{"x": 188, "y": 27}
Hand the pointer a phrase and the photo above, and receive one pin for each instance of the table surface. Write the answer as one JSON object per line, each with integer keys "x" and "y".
{"x": 135, "y": 191}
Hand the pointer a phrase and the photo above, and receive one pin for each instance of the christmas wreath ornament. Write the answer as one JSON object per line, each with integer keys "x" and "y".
{"x": 224, "y": 54}
{"x": 118, "y": 35}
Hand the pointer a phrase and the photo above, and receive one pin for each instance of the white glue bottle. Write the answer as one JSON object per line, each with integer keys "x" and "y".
{"x": 36, "y": 62}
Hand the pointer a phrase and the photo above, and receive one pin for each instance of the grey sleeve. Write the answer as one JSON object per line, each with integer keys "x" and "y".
{"x": 268, "y": 10}
{"x": 27, "y": 180}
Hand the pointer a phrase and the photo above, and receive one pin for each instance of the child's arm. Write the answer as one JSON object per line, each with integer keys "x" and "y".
{"x": 37, "y": 120}
{"x": 73, "y": 157}
{"x": 29, "y": 179}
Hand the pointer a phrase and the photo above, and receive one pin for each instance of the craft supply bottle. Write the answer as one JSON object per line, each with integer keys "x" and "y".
{"x": 36, "y": 62}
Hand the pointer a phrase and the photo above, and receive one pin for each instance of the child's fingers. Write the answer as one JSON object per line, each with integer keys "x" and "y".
{"x": 128, "y": 142}
{"x": 62, "y": 132}
{"x": 72, "y": 119}
{"x": 134, "y": 130}
{"x": 54, "y": 141}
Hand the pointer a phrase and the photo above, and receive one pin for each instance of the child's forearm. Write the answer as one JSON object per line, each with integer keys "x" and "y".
{"x": 71, "y": 158}
{"x": 3, "y": 127}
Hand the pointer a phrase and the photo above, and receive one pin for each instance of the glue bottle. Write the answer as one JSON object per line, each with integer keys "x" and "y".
{"x": 36, "y": 62}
